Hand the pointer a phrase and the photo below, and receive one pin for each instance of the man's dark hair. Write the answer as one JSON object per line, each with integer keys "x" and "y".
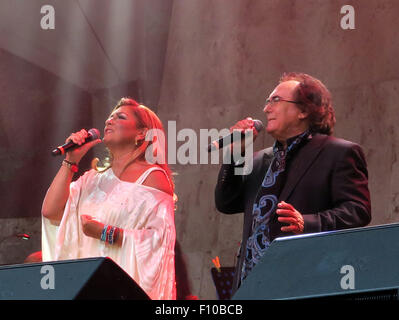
{"x": 314, "y": 98}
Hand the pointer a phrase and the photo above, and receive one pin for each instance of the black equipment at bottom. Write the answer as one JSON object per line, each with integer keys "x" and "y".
{"x": 223, "y": 280}
{"x": 353, "y": 264}
{"x": 92, "y": 278}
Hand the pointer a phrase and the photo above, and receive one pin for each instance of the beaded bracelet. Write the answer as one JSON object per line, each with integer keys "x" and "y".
{"x": 70, "y": 165}
{"x": 110, "y": 235}
{"x": 104, "y": 234}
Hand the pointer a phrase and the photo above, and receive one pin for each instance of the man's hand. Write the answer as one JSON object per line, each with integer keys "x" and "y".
{"x": 288, "y": 214}
{"x": 242, "y": 126}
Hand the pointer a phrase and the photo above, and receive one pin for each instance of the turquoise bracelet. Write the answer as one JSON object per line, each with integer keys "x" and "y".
{"x": 104, "y": 233}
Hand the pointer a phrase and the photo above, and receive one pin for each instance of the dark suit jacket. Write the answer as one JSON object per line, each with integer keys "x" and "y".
{"x": 327, "y": 182}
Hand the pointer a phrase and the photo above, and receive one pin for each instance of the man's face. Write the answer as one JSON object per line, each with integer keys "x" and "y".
{"x": 285, "y": 119}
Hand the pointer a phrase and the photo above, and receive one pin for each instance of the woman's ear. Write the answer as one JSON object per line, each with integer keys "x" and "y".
{"x": 141, "y": 135}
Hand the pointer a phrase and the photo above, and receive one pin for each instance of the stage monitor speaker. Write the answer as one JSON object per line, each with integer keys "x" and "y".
{"x": 91, "y": 278}
{"x": 353, "y": 264}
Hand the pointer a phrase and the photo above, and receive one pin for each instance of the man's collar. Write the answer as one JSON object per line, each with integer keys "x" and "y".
{"x": 278, "y": 146}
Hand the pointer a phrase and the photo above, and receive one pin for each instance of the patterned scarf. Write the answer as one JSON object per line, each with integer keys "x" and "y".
{"x": 266, "y": 201}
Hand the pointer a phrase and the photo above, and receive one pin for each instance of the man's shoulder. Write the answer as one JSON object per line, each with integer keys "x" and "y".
{"x": 330, "y": 143}
{"x": 338, "y": 148}
{"x": 336, "y": 143}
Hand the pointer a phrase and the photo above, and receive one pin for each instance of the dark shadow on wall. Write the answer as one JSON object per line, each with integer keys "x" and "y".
{"x": 38, "y": 111}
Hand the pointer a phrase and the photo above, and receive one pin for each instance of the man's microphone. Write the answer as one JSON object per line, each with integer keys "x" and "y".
{"x": 93, "y": 134}
{"x": 216, "y": 145}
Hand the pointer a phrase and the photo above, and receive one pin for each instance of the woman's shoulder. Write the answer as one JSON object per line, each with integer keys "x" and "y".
{"x": 157, "y": 178}
{"x": 149, "y": 175}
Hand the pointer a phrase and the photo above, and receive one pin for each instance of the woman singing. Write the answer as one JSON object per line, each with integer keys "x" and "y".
{"x": 124, "y": 210}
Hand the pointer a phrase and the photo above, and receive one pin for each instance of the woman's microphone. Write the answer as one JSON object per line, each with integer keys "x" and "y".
{"x": 93, "y": 134}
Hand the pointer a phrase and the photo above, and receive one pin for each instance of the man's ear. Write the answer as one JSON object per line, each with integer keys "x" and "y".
{"x": 303, "y": 115}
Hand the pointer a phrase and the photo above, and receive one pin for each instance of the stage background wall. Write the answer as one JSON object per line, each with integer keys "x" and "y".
{"x": 204, "y": 64}
{"x": 223, "y": 60}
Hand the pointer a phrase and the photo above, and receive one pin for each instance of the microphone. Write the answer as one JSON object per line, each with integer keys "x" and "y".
{"x": 216, "y": 145}
{"x": 94, "y": 134}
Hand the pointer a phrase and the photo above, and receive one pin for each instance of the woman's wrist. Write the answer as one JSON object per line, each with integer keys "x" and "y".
{"x": 70, "y": 158}
{"x": 73, "y": 166}
{"x": 110, "y": 234}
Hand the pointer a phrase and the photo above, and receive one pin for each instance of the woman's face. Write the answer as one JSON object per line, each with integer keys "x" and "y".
{"x": 121, "y": 127}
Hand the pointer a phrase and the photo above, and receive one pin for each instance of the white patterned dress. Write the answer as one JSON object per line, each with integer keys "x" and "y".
{"x": 145, "y": 214}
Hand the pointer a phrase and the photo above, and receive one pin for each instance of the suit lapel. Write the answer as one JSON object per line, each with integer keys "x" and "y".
{"x": 259, "y": 172}
{"x": 301, "y": 163}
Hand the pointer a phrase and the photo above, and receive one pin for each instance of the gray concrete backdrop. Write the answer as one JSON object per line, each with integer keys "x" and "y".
{"x": 223, "y": 58}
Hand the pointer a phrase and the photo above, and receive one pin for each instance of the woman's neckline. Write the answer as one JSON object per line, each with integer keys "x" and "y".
{"x": 140, "y": 184}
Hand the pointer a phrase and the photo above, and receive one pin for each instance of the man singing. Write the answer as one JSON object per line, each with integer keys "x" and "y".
{"x": 307, "y": 182}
